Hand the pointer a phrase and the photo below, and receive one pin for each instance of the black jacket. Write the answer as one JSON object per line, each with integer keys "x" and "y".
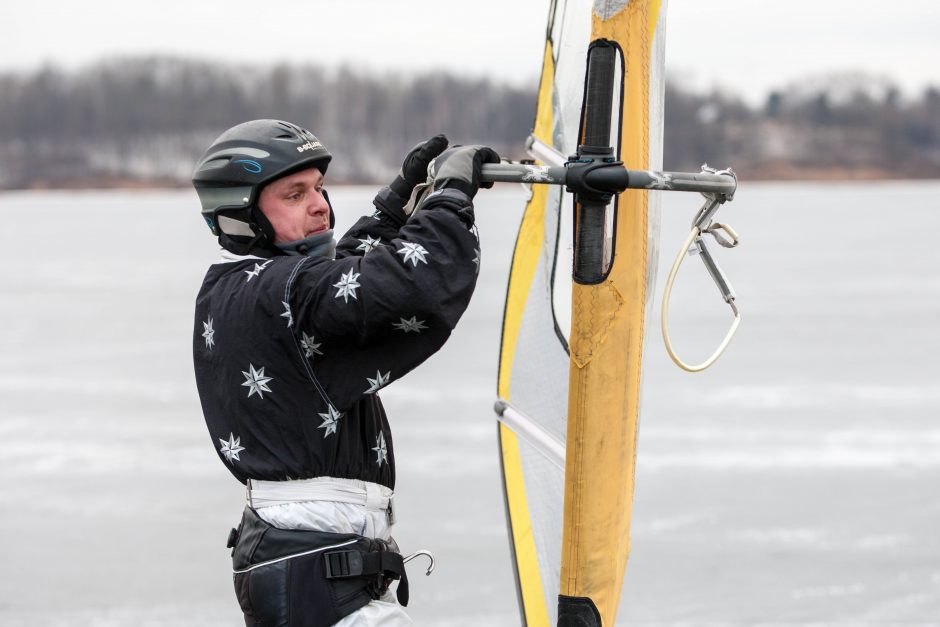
{"x": 290, "y": 351}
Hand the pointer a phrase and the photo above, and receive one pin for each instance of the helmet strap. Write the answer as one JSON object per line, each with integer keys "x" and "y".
{"x": 261, "y": 244}
{"x": 332, "y": 215}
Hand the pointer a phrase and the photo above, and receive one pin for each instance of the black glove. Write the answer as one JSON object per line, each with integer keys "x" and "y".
{"x": 414, "y": 169}
{"x": 459, "y": 168}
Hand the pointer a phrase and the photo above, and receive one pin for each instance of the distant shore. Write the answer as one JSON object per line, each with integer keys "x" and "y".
{"x": 141, "y": 123}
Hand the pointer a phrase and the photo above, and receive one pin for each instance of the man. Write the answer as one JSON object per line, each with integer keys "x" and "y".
{"x": 296, "y": 334}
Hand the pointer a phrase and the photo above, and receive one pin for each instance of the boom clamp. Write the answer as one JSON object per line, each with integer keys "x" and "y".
{"x": 581, "y": 166}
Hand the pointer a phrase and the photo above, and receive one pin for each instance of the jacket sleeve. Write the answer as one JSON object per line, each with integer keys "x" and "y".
{"x": 381, "y": 314}
{"x": 380, "y": 227}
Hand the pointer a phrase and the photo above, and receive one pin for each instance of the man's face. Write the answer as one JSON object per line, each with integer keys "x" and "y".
{"x": 295, "y": 205}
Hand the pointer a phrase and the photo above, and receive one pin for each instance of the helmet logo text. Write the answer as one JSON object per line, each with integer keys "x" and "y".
{"x": 309, "y": 146}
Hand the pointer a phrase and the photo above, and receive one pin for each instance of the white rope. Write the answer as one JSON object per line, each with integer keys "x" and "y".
{"x": 664, "y": 314}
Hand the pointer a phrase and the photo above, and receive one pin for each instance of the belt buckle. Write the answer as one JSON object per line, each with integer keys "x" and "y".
{"x": 340, "y": 564}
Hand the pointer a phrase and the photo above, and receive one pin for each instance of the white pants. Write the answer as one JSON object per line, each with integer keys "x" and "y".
{"x": 337, "y": 506}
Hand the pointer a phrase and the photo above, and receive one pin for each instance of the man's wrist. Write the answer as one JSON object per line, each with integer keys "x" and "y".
{"x": 401, "y": 187}
{"x": 391, "y": 204}
{"x": 453, "y": 199}
{"x": 447, "y": 195}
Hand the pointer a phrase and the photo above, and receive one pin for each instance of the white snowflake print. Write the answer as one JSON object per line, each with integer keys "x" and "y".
{"x": 256, "y": 381}
{"x": 413, "y": 252}
{"x": 381, "y": 451}
{"x": 330, "y": 420}
{"x": 476, "y": 259}
{"x": 287, "y": 314}
{"x": 208, "y": 333}
{"x": 258, "y": 268}
{"x": 413, "y": 324}
{"x": 310, "y": 346}
{"x": 378, "y": 382}
{"x": 535, "y": 174}
{"x": 660, "y": 180}
{"x": 368, "y": 244}
{"x": 347, "y": 286}
{"x": 231, "y": 448}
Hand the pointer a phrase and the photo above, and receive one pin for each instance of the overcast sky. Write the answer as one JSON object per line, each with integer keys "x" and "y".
{"x": 746, "y": 46}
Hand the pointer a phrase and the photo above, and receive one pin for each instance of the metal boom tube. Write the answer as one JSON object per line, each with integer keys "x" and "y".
{"x": 613, "y": 178}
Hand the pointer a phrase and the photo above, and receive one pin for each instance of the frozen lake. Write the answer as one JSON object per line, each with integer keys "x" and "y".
{"x": 796, "y": 482}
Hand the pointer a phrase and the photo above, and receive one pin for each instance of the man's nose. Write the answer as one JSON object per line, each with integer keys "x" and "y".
{"x": 318, "y": 204}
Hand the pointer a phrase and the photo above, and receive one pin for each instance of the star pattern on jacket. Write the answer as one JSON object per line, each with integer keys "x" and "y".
{"x": 347, "y": 286}
{"x": 368, "y": 244}
{"x": 256, "y": 382}
{"x": 257, "y": 270}
{"x": 381, "y": 451}
{"x": 413, "y": 252}
{"x": 231, "y": 448}
{"x": 476, "y": 259}
{"x": 380, "y": 381}
{"x": 330, "y": 420}
{"x": 310, "y": 346}
{"x": 208, "y": 333}
{"x": 341, "y": 366}
{"x": 409, "y": 325}
{"x": 287, "y": 314}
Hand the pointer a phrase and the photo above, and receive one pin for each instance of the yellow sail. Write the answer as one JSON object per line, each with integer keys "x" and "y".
{"x": 571, "y": 356}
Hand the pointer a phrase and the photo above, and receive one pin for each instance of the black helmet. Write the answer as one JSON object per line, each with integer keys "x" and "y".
{"x": 245, "y": 158}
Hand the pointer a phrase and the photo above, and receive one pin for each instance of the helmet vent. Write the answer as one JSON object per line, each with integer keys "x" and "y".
{"x": 214, "y": 164}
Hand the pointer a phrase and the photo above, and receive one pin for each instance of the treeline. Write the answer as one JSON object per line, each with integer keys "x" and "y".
{"x": 845, "y": 126}
{"x": 145, "y": 121}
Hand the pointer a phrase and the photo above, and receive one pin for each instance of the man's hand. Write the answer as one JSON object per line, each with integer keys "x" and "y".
{"x": 397, "y": 198}
{"x": 460, "y": 167}
{"x": 414, "y": 169}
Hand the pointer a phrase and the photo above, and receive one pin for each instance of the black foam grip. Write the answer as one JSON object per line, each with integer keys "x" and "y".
{"x": 577, "y": 612}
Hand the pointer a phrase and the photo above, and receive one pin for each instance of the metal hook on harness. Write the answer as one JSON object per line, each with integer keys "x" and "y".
{"x": 695, "y": 244}
{"x": 425, "y": 553}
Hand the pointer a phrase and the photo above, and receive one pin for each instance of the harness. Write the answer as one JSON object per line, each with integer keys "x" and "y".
{"x": 293, "y": 578}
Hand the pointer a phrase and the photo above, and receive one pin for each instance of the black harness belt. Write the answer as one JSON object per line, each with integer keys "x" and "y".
{"x": 381, "y": 566}
{"x": 291, "y": 578}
